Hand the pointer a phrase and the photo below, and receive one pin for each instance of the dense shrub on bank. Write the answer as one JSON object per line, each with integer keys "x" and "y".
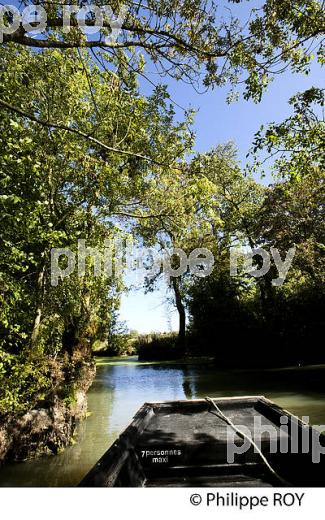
{"x": 29, "y": 382}
{"x": 119, "y": 345}
{"x": 41, "y": 402}
{"x": 158, "y": 347}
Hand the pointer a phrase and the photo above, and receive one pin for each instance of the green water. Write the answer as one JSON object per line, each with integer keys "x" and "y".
{"x": 121, "y": 386}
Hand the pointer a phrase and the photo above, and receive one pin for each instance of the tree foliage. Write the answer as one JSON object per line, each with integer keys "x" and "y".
{"x": 58, "y": 188}
{"x": 84, "y": 155}
{"x": 207, "y": 43}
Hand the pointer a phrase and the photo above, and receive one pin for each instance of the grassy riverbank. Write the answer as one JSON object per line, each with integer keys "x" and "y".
{"x": 134, "y": 360}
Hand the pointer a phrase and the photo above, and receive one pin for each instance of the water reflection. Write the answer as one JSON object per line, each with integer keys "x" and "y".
{"x": 121, "y": 388}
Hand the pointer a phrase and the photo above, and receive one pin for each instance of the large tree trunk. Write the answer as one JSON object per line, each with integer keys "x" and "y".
{"x": 264, "y": 284}
{"x": 39, "y": 307}
{"x": 79, "y": 332}
{"x": 181, "y": 311}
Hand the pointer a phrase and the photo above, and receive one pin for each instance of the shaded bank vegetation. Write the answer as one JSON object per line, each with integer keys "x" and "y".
{"x": 85, "y": 155}
{"x": 155, "y": 346}
{"x": 251, "y": 322}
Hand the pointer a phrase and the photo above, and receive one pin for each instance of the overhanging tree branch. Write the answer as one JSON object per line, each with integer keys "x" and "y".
{"x": 50, "y": 124}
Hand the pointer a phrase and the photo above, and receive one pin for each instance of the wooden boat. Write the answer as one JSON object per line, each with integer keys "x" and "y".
{"x": 186, "y": 443}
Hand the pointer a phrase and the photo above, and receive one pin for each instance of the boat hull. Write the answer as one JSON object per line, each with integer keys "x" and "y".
{"x": 188, "y": 443}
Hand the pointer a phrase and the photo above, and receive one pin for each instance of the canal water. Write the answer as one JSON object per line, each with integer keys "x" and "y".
{"x": 122, "y": 385}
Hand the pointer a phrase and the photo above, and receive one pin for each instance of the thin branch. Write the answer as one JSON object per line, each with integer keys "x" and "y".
{"x": 133, "y": 215}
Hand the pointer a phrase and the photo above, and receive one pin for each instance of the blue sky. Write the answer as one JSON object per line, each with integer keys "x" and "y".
{"x": 216, "y": 122}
